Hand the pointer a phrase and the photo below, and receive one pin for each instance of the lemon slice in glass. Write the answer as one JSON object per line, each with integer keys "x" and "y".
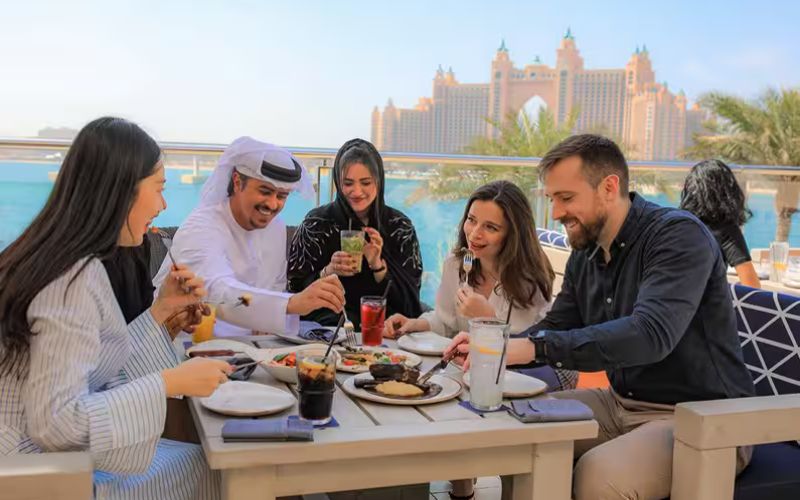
{"x": 486, "y": 350}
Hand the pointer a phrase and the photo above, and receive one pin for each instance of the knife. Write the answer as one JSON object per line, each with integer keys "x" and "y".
{"x": 441, "y": 365}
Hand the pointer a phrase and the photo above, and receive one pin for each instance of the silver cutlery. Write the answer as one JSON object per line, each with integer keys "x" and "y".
{"x": 166, "y": 236}
{"x": 350, "y": 333}
{"x": 241, "y": 301}
{"x": 441, "y": 365}
{"x": 466, "y": 264}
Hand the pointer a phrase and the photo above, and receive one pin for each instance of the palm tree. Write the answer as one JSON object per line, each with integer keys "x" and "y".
{"x": 762, "y": 132}
{"x": 518, "y": 136}
{"x": 523, "y": 136}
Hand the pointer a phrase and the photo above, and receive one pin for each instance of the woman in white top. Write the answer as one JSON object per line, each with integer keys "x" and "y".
{"x": 73, "y": 375}
{"x": 510, "y": 270}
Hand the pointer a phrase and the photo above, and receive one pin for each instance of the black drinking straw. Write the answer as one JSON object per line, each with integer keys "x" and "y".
{"x": 505, "y": 344}
{"x": 386, "y": 291}
{"x": 333, "y": 339}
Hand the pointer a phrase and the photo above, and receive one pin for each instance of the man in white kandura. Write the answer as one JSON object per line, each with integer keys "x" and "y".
{"x": 235, "y": 240}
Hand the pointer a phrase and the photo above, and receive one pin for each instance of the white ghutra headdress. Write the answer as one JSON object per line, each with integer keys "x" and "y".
{"x": 259, "y": 160}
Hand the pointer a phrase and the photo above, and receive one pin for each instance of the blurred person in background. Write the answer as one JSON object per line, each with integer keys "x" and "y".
{"x": 712, "y": 193}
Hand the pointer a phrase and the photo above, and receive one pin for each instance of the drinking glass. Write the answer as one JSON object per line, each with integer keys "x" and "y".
{"x": 352, "y": 242}
{"x": 316, "y": 377}
{"x": 487, "y": 337}
{"x": 779, "y": 257}
{"x": 205, "y": 330}
{"x": 373, "y": 315}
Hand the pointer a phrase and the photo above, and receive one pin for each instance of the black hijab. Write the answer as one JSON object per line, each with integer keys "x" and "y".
{"x": 359, "y": 151}
{"x": 405, "y": 287}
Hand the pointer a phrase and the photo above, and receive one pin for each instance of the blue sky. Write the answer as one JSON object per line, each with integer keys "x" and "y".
{"x": 308, "y": 73}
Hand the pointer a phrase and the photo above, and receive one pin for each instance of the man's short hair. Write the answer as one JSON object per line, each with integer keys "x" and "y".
{"x": 600, "y": 157}
{"x": 242, "y": 177}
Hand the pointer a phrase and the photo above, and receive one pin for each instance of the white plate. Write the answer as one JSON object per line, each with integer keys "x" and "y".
{"x": 249, "y": 350}
{"x": 247, "y": 399}
{"x": 412, "y": 359}
{"x": 294, "y": 339}
{"x": 451, "y": 388}
{"x": 287, "y": 374}
{"x": 791, "y": 283}
{"x": 517, "y": 385}
{"x": 425, "y": 343}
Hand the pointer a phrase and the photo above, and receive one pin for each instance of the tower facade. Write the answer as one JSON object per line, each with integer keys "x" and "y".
{"x": 626, "y": 104}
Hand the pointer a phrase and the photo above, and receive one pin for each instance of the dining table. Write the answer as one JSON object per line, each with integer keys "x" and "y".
{"x": 378, "y": 445}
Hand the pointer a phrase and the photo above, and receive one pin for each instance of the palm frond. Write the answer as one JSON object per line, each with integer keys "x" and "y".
{"x": 765, "y": 131}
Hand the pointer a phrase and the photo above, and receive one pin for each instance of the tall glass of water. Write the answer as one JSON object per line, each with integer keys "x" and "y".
{"x": 487, "y": 336}
{"x": 779, "y": 256}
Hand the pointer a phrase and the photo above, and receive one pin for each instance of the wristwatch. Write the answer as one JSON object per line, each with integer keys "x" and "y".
{"x": 379, "y": 269}
{"x": 539, "y": 347}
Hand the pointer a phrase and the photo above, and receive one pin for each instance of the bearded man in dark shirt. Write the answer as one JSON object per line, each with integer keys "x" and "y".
{"x": 645, "y": 297}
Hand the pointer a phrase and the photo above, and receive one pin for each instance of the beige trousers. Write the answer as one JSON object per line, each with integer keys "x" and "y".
{"x": 631, "y": 458}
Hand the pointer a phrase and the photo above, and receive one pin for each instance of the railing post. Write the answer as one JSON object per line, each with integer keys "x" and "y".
{"x": 323, "y": 170}
{"x": 319, "y": 180}
{"x": 541, "y": 209}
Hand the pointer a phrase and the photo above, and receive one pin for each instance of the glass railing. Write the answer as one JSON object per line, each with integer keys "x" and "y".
{"x": 430, "y": 188}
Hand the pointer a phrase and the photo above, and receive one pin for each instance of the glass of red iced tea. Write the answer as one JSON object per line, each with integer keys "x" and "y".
{"x": 373, "y": 313}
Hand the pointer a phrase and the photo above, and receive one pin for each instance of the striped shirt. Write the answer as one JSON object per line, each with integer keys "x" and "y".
{"x": 93, "y": 384}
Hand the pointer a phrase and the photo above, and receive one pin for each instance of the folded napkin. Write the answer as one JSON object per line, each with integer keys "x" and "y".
{"x": 244, "y": 373}
{"x": 266, "y": 430}
{"x": 550, "y": 410}
{"x": 313, "y": 331}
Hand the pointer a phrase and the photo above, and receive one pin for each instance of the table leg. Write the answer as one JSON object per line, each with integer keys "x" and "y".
{"x": 550, "y": 477}
{"x": 252, "y": 483}
{"x": 506, "y": 487}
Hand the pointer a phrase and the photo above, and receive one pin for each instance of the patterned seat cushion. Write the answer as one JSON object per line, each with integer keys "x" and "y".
{"x": 769, "y": 330}
{"x": 552, "y": 238}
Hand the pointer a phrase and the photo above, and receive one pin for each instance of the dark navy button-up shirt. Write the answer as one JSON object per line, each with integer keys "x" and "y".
{"x": 658, "y": 317}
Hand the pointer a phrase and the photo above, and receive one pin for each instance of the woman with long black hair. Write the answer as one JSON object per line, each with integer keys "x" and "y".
{"x": 712, "y": 193}
{"x": 73, "y": 376}
{"x": 392, "y": 251}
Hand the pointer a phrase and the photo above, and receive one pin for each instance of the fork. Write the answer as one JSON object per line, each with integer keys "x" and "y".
{"x": 349, "y": 332}
{"x": 466, "y": 264}
{"x": 239, "y": 302}
{"x": 164, "y": 235}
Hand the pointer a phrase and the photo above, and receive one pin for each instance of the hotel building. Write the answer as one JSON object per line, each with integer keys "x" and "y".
{"x": 625, "y": 103}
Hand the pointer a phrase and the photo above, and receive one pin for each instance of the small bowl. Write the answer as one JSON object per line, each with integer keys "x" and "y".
{"x": 288, "y": 374}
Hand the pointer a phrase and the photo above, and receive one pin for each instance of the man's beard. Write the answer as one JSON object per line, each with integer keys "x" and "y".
{"x": 586, "y": 235}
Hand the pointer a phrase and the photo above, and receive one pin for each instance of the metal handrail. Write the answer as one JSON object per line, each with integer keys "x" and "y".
{"x": 188, "y": 148}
